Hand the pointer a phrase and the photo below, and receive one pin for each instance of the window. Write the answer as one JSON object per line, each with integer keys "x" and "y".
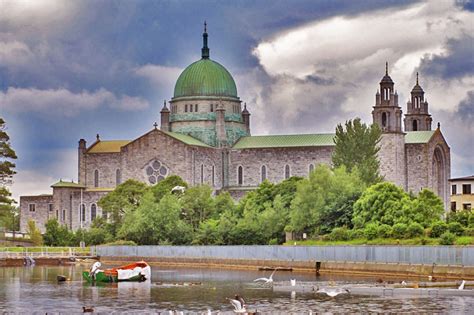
{"x": 32, "y": 207}
{"x": 212, "y": 107}
{"x": 64, "y": 215}
{"x": 466, "y": 206}
{"x": 93, "y": 212}
{"x": 384, "y": 119}
{"x": 202, "y": 174}
{"x": 213, "y": 182}
{"x": 453, "y": 189}
{"x": 240, "y": 175}
{"x": 415, "y": 125}
{"x": 466, "y": 189}
{"x": 50, "y": 207}
{"x": 57, "y": 214}
{"x": 311, "y": 168}
{"x": 453, "y": 206}
{"x": 118, "y": 177}
{"x": 83, "y": 212}
{"x": 96, "y": 178}
{"x": 155, "y": 171}
{"x": 264, "y": 172}
{"x": 186, "y": 108}
{"x": 287, "y": 171}
{"x": 195, "y": 107}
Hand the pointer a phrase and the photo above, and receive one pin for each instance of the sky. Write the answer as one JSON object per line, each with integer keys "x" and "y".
{"x": 74, "y": 69}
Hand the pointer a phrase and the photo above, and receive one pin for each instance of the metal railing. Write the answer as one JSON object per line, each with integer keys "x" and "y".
{"x": 441, "y": 255}
{"x": 35, "y": 252}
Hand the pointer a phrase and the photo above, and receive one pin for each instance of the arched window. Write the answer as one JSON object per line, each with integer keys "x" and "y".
{"x": 287, "y": 171}
{"x": 415, "y": 125}
{"x": 240, "y": 175}
{"x": 311, "y": 168}
{"x": 96, "y": 178}
{"x": 93, "y": 212}
{"x": 384, "y": 119}
{"x": 83, "y": 212}
{"x": 213, "y": 180}
{"x": 212, "y": 107}
{"x": 264, "y": 172}
{"x": 118, "y": 177}
{"x": 195, "y": 107}
{"x": 202, "y": 174}
{"x": 186, "y": 108}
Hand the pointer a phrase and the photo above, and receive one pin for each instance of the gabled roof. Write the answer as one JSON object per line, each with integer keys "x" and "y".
{"x": 186, "y": 139}
{"x": 62, "y": 184}
{"x": 111, "y": 146}
{"x": 285, "y": 141}
{"x": 418, "y": 136}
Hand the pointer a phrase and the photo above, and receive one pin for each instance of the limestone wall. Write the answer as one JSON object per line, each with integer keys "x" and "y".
{"x": 107, "y": 165}
{"x": 41, "y": 214}
{"x": 417, "y": 166}
{"x": 392, "y": 158}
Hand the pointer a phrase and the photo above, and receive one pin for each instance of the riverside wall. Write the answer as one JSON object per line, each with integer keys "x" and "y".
{"x": 449, "y": 262}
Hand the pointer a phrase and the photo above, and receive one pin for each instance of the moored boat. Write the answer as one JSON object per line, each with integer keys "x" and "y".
{"x": 138, "y": 271}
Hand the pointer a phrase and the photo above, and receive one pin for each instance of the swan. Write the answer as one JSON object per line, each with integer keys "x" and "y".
{"x": 461, "y": 287}
{"x": 293, "y": 282}
{"x": 333, "y": 292}
{"x": 238, "y": 303}
{"x": 266, "y": 280}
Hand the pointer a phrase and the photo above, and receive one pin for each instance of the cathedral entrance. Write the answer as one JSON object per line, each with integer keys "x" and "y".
{"x": 439, "y": 173}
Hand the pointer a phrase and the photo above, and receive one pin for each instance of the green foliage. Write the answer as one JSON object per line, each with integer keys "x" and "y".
{"x": 356, "y": 234}
{"x": 415, "y": 230}
{"x": 357, "y": 146}
{"x": 438, "y": 228}
{"x": 384, "y": 231}
{"x": 462, "y": 217}
{"x": 400, "y": 230}
{"x": 371, "y": 231}
{"x": 325, "y": 200}
{"x": 426, "y": 208}
{"x": 8, "y": 213}
{"x": 198, "y": 205}
{"x": 125, "y": 198}
{"x": 121, "y": 243}
{"x": 56, "y": 234}
{"x": 165, "y": 186}
{"x": 463, "y": 240}
{"x": 208, "y": 233}
{"x": 447, "y": 238}
{"x": 34, "y": 233}
{"x": 456, "y": 228}
{"x": 339, "y": 234}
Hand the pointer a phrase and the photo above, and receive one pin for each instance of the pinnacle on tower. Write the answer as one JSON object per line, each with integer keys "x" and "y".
{"x": 205, "y": 49}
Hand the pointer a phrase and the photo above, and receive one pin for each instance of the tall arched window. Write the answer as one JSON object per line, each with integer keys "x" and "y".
{"x": 186, "y": 108}
{"x": 415, "y": 125}
{"x": 213, "y": 179}
{"x": 212, "y": 107}
{"x": 311, "y": 168}
{"x": 83, "y": 212}
{"x": 93, "y": 212}
{"x": 264, "y": 172}
{"x": 96, "y": 178}
{"x": 287, "y": 171}
{"x": 202, "y": 174}
{"x": 384, "y": 119}
{"x": 240, "y": 175}
{"x": 195, "y": 107}
{"x": 118, "y": 177}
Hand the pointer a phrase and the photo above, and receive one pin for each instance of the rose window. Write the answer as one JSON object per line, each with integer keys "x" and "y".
{"x": 155, "y": 171}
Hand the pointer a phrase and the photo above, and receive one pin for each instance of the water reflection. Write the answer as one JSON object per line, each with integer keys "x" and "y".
{"x": 35, "y": 289}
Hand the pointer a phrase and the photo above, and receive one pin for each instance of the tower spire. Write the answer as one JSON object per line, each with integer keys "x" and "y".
{"x": 386, "y": 67}
{"x": 417, "y": 78}
{"x": 205, "y": 49}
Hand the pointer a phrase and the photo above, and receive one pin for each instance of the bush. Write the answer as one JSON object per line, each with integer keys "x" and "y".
{"x": 469, "y": 231}
{"x": 121, "y": 242}
{"x": 463, "y": 240}
{"x": 356, "y": 234}
{"x": 447, "y": 238}
{"x": 400, "y": 230}
{"x": 415, "y": 230}
{"x": 273, "y": 241}
{"x": 456, "y": 228}
{"x": 339, "y": 234}
{"x": 384, "y": 231}
{"x": 371, "y": 230}
{"x": 438, "y": 228}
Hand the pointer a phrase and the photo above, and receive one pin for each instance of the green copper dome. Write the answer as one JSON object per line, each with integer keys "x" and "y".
{"x": 205, "y": 77}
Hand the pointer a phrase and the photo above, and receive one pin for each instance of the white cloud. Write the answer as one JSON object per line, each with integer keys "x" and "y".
{"x": 63, "y": 102}
{"x": 14, "y": 53}
{"x": 162, "y": 76}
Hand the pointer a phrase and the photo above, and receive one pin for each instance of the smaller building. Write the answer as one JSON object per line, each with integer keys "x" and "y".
{"x": 462, "y": 194}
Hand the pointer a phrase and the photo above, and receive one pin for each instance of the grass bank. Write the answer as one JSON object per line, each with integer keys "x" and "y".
{"x": 461, "y": 240}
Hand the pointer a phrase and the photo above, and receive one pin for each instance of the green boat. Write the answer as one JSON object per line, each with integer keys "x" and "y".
{"x": 139, "y": 271}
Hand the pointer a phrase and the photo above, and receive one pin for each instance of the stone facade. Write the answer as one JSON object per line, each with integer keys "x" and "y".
{"x": 201, "y": 140}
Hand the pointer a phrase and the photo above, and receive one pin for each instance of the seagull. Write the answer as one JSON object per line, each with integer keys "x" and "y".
{"x": 461, "y": 287}
{"x": 403, "y": 282}
{"x": 266, "y": 280}
{"x": 333, "y": 292}
{"x": 238, "y": 303}
{"x": 178, "y": 189}
{"x": 293, "y": 282}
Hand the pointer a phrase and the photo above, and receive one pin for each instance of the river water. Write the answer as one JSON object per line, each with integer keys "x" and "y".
{"x": 195, "y": 291}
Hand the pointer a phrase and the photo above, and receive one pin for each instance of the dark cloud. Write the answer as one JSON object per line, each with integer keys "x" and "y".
{"x": 457, "y": 63}
{"x": 466, "y": 109}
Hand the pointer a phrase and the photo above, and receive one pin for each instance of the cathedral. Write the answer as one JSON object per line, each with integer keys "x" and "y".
{"x": 205, "y": 138}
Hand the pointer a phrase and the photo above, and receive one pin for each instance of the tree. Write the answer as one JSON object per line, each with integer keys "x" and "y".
{"x": 34, "y": 233}
{"x": 57, "y": 235}
{"x": 357, "y": 146}
{"x": 126, "y": 197}
{"x": 166, "y": 185}
{"x": 198, "y": 205}
{"x": 7, "y": 154}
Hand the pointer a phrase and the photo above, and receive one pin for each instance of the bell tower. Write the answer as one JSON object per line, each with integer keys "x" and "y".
{"x": 386, "y": 112}
{"x": 417, "y": 117}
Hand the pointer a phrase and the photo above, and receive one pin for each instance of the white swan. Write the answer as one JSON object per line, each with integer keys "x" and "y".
{"x": 463, "y": 283}
{"x": 238, "y": 303}
{"x": 266, "y": 280}
{"x": 333, "y": 292}
{"x": 293, "y": 282}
